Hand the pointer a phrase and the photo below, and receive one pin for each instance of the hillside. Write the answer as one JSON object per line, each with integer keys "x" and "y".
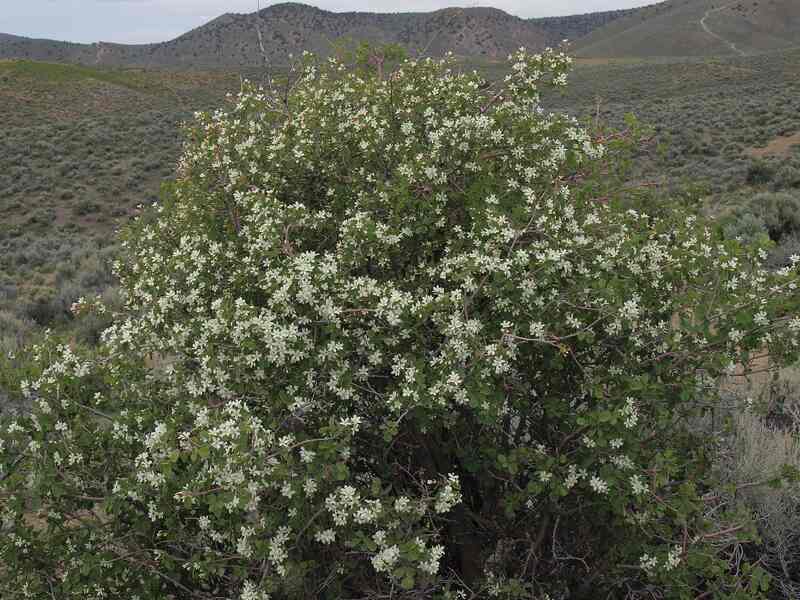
{"x": 697, "y": 28}
{"x": 231, "y": 40}
{"x": 81, "y": 148}
{"x": 574, "y": 27}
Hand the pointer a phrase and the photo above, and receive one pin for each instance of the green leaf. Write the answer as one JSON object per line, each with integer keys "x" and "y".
{"x": 407, "y": 582}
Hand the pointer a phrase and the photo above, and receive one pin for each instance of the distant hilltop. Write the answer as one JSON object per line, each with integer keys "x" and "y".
{"x": 231, "y": 40}
{"x": 669, "y": 28}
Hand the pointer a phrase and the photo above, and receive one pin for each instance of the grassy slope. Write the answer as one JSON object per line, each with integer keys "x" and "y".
{"x": 753, "y": 98}
{"x": 716, "y": 118}
{"x": 81, "y": 148}
{"x": 670, "y": 29}
{"x": 758, "y": 25}
{"x": 673, "y": 28}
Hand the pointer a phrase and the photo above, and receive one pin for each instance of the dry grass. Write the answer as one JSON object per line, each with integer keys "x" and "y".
{"x": 759, "y": 449}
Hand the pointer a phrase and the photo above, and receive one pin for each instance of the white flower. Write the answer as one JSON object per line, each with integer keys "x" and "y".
{"x": 251, "y": 592}
{"x": 637, "y": 485}
{"x": 286, "y": 490}
{"x": 537, "y": 330}
{"x": 598, "y": 485}
{"x": 449, "y": 495}
{"x": 386, "y": 559}
{"x": 573, "y": 476}
{"x": 310, "y": 487}
{"x": 648, "y": 563}
{"x": 306, "y": 455}
{"x": 431, "y": 565}
{"x": 673, "y": 558}
{"x": 243, "y": 545}
{"x": 325, "y": 537}
{"x": 630, "y": 413}
{"x": 631, "y": 310}
{"x": 277, "y": 552}
{"x": 379, "y": 537}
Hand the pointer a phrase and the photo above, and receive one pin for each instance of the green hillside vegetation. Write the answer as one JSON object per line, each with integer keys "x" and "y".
{"x": 712, "y": 113}
{"x": 670, "y": 28}
{"x": 755, "y": 25}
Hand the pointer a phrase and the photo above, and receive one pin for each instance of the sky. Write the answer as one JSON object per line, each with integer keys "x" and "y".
{"x": 142, "y": 21}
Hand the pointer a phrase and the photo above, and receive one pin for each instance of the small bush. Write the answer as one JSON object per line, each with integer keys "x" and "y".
{"x": 760, "y": 454}
{"x": 85, "y": 207}
{"x": 44, "y": 306}
{"x": 772, "y": 215}
{"x": 787, "y": 177}
{"x": 759, "y": 173}
{"x": 780, "y": 213}
{"x": 747, "y": 227}
{"x": 14, "y": 329}
{"x": 783, "y": 252}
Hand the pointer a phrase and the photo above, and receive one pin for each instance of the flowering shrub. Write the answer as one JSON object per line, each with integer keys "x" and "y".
{"x": 382, "y": 341}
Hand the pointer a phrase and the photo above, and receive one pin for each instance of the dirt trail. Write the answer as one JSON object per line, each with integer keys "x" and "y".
{"x": 705, "y": 27}
{"x": 779, "y": 146}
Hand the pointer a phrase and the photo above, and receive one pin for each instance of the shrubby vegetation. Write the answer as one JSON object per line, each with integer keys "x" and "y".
{"x": 758, "y": 441}
{"x": 709, "y": 116}
{"x": 772, "y": 216}
{"x": 396, "y": 338}
{"x": 89, "y": 144}
{"x": 76, "y": 158}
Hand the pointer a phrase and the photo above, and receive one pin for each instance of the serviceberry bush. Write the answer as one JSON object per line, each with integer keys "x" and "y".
{"x": 384, "y": 339}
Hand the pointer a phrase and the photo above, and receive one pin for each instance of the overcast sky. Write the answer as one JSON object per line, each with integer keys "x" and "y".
{"x": 140, "y": 21}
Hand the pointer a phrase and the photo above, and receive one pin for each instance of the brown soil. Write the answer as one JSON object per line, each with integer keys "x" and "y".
{"x": 780, "y": 146}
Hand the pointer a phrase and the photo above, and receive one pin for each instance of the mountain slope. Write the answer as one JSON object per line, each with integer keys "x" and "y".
{"x": 292, "y": 28}
{"x": 12, "y": 46}
{"x": 231, "y": 40}
{"x": 698, "y": 28}
{"x": 574, "y": 27}
{"x": 673, "y": 28}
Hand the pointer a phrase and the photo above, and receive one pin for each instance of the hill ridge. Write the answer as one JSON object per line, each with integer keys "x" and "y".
{"x": 671, "y": 28}
{"x": 229, "y": 40}
{"x": 695, "y": 28}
